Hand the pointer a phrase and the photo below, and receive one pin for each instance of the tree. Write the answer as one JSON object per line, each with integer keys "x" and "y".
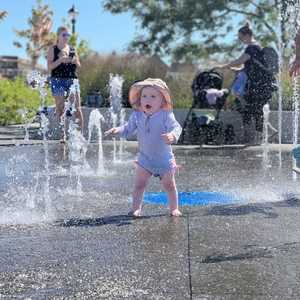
{"x": 289, "y": 13}
{"x": 189, "y": 29}
{"x": 39, "y": 36}
{"x": 3, "y": 14}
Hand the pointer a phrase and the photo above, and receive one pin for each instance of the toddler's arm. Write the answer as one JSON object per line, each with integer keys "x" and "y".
{"x": 113, "y": 130}
{"x": 127, "y": 130}
{"x": 173, "y": 129}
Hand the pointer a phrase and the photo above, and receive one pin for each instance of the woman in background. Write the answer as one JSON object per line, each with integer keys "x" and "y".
{"x": 63, "y": 62}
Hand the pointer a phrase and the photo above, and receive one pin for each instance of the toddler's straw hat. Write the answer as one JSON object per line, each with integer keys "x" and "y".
{"x": 136, "y": 88}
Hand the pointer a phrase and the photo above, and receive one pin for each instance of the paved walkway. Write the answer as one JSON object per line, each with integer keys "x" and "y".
{"x": 222, "y": 252}
{"x": 15, "y": 134}
{"x": 238, "y": 252}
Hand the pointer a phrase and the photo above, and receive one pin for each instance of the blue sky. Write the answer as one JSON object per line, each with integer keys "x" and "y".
{"x": 104, "y": 32}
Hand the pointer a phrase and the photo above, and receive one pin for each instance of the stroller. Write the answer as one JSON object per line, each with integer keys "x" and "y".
{"x": 207, "y": 128}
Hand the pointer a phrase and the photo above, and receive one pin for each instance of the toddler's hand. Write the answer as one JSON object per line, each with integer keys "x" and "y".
{"x": 113, "y": 130}
{"x": 169, "y": 138}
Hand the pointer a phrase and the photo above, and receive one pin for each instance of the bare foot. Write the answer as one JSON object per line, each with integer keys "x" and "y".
{"x": 63, "y": 139}
{"x": 176, "y": 213}
{"x": 135, "y": 213}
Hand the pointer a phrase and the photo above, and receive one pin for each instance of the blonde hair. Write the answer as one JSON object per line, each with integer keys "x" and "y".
{"x": 59, "y": 31}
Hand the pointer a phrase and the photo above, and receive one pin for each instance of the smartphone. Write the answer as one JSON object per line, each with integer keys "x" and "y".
{"x": 72, "y": 53}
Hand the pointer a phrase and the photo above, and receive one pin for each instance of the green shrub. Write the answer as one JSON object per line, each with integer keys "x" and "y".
{"x": 15, "y": 95}
{"x": 95, "y": 70}
{"x": 287, "y": 93}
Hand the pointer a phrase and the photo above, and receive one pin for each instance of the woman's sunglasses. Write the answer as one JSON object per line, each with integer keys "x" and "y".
{"x": 66, "y": 35}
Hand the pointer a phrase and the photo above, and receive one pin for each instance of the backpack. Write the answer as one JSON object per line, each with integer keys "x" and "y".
{"x": 262, "y": 82}
{"x": 270, "y": 63}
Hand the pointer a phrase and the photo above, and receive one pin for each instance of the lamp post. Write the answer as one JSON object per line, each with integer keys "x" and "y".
{"x": 73, "y": 13}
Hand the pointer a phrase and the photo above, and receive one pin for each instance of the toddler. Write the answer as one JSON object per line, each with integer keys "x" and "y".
{"x": 156, "y": 127}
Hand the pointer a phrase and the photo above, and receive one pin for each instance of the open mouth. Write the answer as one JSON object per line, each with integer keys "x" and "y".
{"x": 148, "y": 106}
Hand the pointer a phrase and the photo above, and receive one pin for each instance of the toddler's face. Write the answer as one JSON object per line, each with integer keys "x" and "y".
{"x": 151, "y": 100}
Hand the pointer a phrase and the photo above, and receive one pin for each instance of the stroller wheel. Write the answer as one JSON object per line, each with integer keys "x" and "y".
{"x": 216, "y": 134}
{"x": 202, "y": 137}
{"x": 219, "y": 139}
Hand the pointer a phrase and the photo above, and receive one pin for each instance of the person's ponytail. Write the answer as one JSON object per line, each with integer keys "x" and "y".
{"x": 246, "y": 29}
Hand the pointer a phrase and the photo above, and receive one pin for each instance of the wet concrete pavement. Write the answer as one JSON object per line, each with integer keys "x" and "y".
{"x": 246, "y": 252}
{"x": 90, "y": 248}
{"x": 222, "y": 252}
{"x": 111, "y": 257}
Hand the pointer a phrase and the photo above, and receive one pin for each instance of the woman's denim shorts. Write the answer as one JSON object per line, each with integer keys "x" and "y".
{"x": 60, "y": 86}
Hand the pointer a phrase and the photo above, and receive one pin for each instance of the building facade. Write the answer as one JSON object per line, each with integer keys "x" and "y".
{"x": 13, "y": 66}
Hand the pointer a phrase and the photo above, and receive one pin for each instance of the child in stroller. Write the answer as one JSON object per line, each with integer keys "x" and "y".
{"x": 206, "y": 128}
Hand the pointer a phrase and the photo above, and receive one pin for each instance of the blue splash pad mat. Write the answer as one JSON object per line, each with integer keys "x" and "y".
{"x": 192, "y": 198}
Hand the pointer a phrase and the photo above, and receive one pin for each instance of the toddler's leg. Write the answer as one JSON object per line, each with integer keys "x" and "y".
{"x": 168, "y": 182}
{"x": 141, "y": 179}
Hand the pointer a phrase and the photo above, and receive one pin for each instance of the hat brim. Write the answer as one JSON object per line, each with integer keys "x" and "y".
{"x": 136, "y": 89}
